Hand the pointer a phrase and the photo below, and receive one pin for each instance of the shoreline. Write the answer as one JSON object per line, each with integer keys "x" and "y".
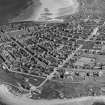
{"x": 11, "y": 99}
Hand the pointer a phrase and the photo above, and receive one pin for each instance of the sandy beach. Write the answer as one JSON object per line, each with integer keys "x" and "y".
{"x": 11, "y": 99}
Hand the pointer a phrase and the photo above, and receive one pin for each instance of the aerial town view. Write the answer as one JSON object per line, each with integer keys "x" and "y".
{"x": 57, "y": 59}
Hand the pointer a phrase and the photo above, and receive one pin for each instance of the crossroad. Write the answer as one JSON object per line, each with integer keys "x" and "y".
{"x": 49, "y": 77}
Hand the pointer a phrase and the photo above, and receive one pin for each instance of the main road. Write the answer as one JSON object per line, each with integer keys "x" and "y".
{"x": 49, "y": 77}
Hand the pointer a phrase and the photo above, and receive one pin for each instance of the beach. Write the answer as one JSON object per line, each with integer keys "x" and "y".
{"x": 11, "y": 99}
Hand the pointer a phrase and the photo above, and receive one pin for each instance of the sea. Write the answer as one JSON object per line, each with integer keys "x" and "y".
{"x": 35, "y": 10}
{"x": 47, "y": 10}
{"x": 55, "y": 8}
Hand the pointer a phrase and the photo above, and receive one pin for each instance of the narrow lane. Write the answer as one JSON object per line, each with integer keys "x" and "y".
{"x": 49, "y": 77}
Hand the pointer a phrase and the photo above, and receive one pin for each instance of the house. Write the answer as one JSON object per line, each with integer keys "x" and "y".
{"x": 84, "y": 60}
